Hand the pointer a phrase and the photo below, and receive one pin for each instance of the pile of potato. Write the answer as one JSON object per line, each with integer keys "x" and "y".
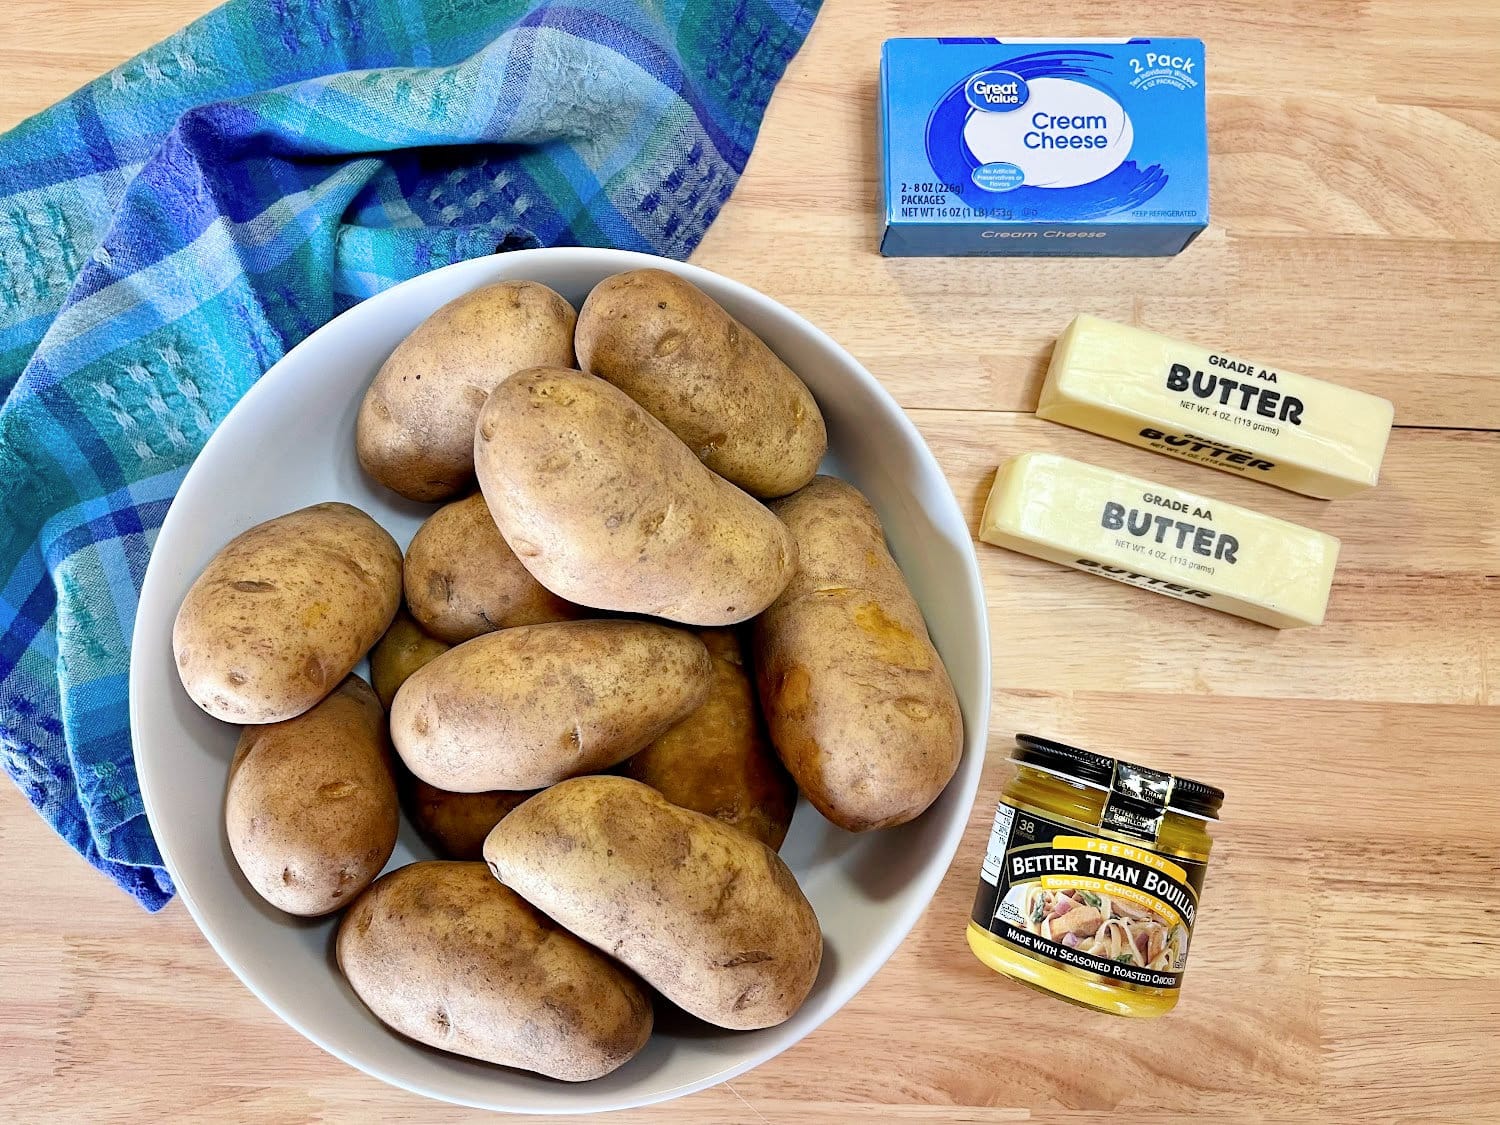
{"x": 608, "y": 788}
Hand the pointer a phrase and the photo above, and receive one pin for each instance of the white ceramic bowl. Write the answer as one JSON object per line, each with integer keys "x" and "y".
{"x": 289, "y": 443}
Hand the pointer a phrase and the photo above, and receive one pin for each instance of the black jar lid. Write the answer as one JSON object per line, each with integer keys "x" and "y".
{"x": 1183, "y": 794}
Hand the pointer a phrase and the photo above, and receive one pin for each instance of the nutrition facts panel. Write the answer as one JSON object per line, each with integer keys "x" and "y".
{"x": 994, "y": 854}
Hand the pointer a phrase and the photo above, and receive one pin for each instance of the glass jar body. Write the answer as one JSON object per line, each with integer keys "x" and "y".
{"x": 1079, "y": 808}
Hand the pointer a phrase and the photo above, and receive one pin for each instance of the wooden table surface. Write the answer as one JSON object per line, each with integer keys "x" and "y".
{"x": 1348, "y": 963}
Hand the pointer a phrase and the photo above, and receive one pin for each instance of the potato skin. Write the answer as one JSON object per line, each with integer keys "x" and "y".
{"x": 455, "y": 824}
{"x": 463, "y": 580}
{"x": 719, "y": 760}
{"x": 402, "y": 649}
{"x": 607, "y": 508}
{"x": 415, "y": 431}
{"x": 856, "y": 697}
{"x": 311, "y": 809}
{"x": 526, "y": 707}
{"x": 443, "y": 954}
{"x": 285, "y": 611}
{"x": 708, "y": 916}
{"x": 713, "y": 382}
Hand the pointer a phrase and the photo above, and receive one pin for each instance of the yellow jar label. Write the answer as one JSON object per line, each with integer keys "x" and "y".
{"x": 1099, "y": 905}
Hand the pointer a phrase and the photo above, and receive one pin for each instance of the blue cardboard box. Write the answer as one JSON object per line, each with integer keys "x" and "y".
{"x": 1022, "y": 147}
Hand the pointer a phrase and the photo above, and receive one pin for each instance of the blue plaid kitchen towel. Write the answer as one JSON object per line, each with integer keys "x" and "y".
{"x": 173, "y": 228}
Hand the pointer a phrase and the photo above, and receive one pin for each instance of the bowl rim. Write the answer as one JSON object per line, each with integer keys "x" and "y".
{"x": 966, "y": 777}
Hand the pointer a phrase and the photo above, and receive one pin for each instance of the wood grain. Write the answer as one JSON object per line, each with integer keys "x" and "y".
{"x": 1348, "y": 964}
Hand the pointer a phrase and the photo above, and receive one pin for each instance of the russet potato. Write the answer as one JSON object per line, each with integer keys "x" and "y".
{"x": 526, "y": 707}
{"x": 607, "y": 508}
{"x": 445, "y": 955}
{"x": 311, "y": 809}
{"x": 415, "y": 430}
{"x": 719, "y": 760}
{"x": 856, "y": 697}
{"x": 708, "y": 916}
{"x": 713, "y": 382}
{"x": 285, "y": 611}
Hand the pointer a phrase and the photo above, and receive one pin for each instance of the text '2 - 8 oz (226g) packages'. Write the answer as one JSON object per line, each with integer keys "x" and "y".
{"x": 1070, "y": 147}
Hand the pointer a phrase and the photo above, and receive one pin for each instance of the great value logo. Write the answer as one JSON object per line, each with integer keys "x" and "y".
{"x": 996, "y": 91}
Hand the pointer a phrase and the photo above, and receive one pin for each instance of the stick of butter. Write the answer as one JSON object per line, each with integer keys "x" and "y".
{"x": 1161, "y": 538}
{"x": 1303, "y": 434}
